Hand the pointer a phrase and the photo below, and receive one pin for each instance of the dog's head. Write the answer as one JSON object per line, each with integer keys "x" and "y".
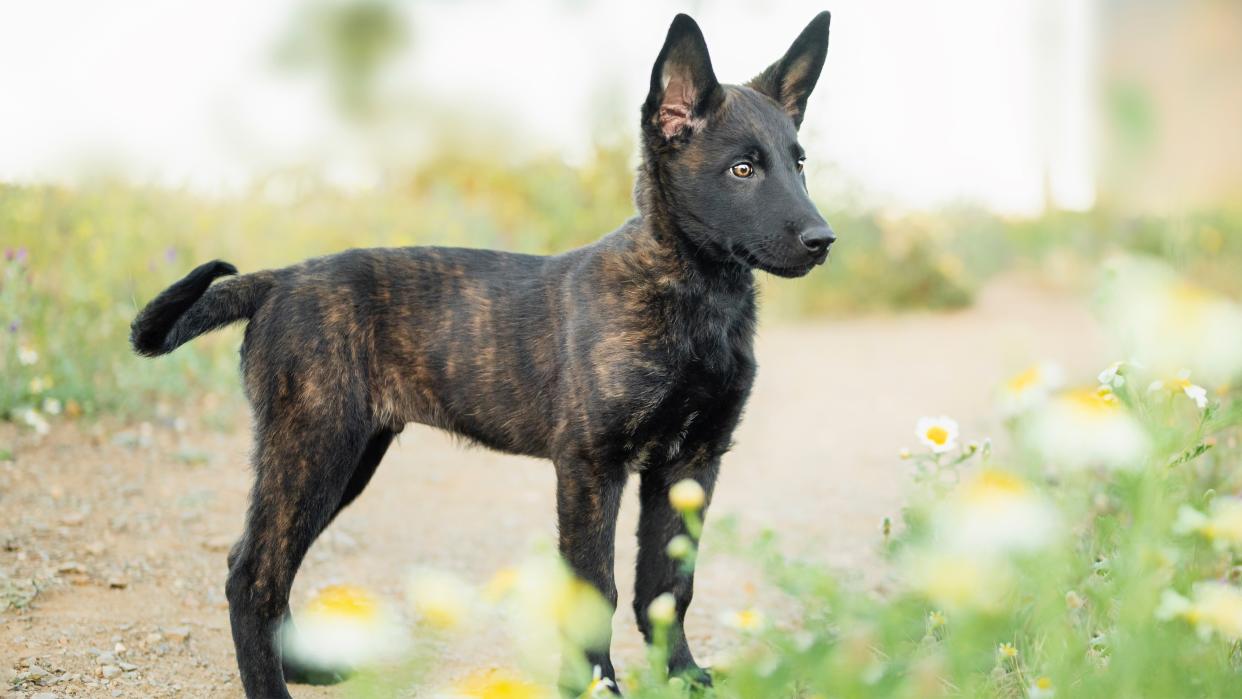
{"x": 725, "y": 159}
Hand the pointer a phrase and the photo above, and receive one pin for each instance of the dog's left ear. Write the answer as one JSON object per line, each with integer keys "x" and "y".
{"x": 684, "y": 89}
{"x": 790, "y": 80}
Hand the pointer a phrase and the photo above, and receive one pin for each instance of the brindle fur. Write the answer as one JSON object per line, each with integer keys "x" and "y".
{"x": 629, "y": 355}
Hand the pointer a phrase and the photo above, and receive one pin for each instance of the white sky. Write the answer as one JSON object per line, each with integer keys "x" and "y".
{"x": 920, "y": 104}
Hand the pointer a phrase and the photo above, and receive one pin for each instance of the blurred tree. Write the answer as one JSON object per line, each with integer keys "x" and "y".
{"x": 348, "y": 43}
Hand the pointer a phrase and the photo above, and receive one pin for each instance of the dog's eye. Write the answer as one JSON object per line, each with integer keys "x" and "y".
{"x": 801, "y": 163}
{"x": 742, "y": 170}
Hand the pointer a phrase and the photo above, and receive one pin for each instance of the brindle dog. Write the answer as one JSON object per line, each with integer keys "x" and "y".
{"x": 631, "y": 355}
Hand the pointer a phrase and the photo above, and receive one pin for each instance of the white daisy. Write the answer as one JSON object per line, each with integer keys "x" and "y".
{"x": 938, "y": 433}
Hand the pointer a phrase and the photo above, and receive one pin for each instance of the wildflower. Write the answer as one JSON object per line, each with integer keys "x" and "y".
{"x": 345, "y": 626}
{"x": 32, "y": 419}
{"x": 1181, "y": 384}
{"x": 1213, "y": 608}
{"x": 1041, "y": 688}
{"x": 498, "y": 685}
{"x": 27, "y": 356}
{"x": 600, "y": 686}
{"x": 680, "y": 547}
{"x": 938, "y": 433}
{"x": 663, "y": 609}
{"x": 1222, "y": 525}
{"x": 1084, "y": 428}
{"x": 39, "y": 384}
{"x": 14, "y": 326}
{"x": 994, "y": 512}
{"x": 1115, "y": 375}
{"x": 904, "y": 454}
{"x": 955, "y": 580}
{"x": 1073, "y": 600}
{"x": 1171, "y": 323}
{"x": 936, "y": 619}
{"x": 744, "y": 620}
{"x": 501, "y": 584}
{"x": 51, "y": 406}
{"x": 1030, "y": 387}
{"x": 441, "y": 600}
{"x": 549, "y": 606}
{"x": 687, "y": 495}
{"x": 1007, "y": 651}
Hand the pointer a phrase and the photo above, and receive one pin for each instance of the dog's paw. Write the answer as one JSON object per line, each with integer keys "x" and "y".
{"x": 693, "y": 677}
{"x": 297, "y": 673}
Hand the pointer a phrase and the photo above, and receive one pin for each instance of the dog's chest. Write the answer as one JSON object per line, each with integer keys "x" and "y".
{"x": 690, "y": 407}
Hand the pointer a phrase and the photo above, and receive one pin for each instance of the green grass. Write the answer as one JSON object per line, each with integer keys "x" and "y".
{"x": 94, "y": 255}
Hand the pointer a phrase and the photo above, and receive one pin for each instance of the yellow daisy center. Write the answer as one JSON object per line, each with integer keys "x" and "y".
{"x": 937, "y": 435}
{"x": 1024, "y": 381}
{"x": 344, "y": 601}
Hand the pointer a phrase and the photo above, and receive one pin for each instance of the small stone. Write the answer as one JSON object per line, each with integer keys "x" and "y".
{"x": 178, "y": 633}
{"x": 72, "y": 519}
{"x": 154, "y": 637}
{"x": 106, "y": 658}
{"x": 109, "y": 671}
{"x": 127, "y": 667}
{"x": 45, "y": 695}
{"x": 119, "y": 648}
{"x": 34, "y": 672}
{"x": 218, "y": 543}
{"x": 70, "y": 567}
{"x": 118, "y": 583}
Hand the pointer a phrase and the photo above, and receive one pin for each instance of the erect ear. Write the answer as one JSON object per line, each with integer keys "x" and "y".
{"x": 790, "y": 80}
{"x": 683, "y": 86}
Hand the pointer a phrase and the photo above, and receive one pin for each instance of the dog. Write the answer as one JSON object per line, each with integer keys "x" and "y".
{"x": 630, "y": 355}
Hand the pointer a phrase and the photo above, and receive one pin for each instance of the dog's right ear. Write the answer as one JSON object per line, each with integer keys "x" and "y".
{"x": 683, "y": 86}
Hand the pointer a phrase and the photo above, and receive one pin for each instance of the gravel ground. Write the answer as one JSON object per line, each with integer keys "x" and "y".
{"x": 113, "y": 537}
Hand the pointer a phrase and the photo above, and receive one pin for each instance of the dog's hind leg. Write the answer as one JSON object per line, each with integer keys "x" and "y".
{"x": 303, "y": 468}
{"x": 658, "y": 572}
{"x": 298, "y": 673}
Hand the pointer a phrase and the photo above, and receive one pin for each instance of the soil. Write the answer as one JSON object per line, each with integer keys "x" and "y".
{"x": 123, "y": 529}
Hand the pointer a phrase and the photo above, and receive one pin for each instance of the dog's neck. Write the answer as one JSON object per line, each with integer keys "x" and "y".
{"x": 715, "y": 270}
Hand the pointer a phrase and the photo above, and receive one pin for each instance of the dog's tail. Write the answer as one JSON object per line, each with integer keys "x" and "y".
{"x": 194, "y": 306}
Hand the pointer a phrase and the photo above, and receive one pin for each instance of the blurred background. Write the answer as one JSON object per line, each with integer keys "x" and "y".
{"x": 955, "y": 142}
{"x": 980, "y": 161}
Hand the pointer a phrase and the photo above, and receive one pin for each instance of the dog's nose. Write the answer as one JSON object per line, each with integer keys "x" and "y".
{"x": 817, "y": 240}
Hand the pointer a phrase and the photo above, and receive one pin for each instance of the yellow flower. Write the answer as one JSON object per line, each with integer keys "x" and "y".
{"x": 439, "y": 599}
{"x": 1213, "y": 608}
{"x": 1222, "y": 525}
{"x": 680, "y": 547}
{"x": 1170, "y": 323}
{"x": 501, "y": 584}
{"x": 955, "y": 580}
{"x": 1007, "y": 650}
{"x": 744, "y": 620}
{"x": 687, "y": 495}
{"x": 938, "y": 433}
{"x": 550, "y": 609}
{"x": 1084, "y": 428}
{"x": 600, "y": 686}
{"x": 663, "y": 609}
{"x": 1181, "y": 384}
{"x": 499, "y": 685}
{"x": 1040, "y": 689}
{"x": 936, "y": 619}
{"x": 343, "y": 625}
{"x": 994, "y": 512}
{"x": 1029, "y": 387}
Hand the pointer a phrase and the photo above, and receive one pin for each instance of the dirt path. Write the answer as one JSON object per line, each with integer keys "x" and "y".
{"x": 127, "y": 529}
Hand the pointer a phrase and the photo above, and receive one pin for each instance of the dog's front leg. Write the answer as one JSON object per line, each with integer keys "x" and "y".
{"x": 658, "y": 572}
{"x": 588, "y": 496}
